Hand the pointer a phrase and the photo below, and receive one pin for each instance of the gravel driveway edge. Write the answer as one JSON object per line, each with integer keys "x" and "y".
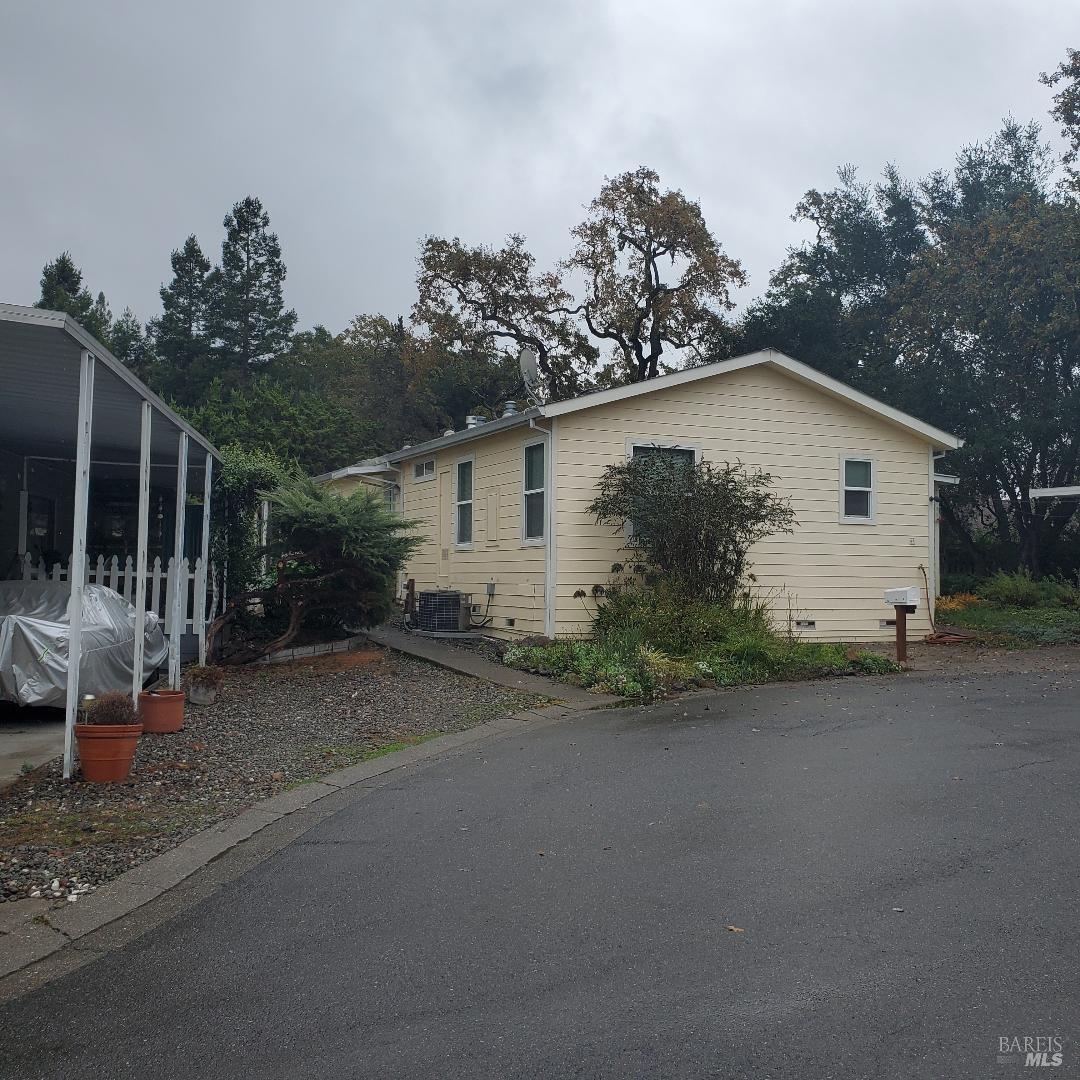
{"x": 35, "y": 939}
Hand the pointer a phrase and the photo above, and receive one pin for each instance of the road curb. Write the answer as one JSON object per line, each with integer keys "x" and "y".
{"x": 47, "y": 933}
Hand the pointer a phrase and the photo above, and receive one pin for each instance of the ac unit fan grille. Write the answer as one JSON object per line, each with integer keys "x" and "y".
{"x": 443, "y": 612}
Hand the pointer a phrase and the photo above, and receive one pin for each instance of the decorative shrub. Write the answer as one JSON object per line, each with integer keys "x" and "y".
{"x": 946, "y": 605}
{"x": 112, "y": 707}
{"x": 205, "y": 675}
{"x": 691, "y": 525}
{"x": 650, "y": 641}
{"x": 1021, "y": 590}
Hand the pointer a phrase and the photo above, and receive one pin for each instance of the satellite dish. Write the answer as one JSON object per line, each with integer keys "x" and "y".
{"x": 529, "y": 363}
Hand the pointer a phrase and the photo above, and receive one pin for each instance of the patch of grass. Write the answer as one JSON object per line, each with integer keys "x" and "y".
{"x": 1021, "y": 625}
{"x": 49, "y": 827}
{"x": 341, "y": 755}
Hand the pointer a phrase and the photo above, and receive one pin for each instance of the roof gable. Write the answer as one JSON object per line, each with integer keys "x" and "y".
{"x": 797, "y": 370}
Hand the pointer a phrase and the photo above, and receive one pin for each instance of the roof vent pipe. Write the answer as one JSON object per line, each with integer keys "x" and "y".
{"x": 474, "y": 420}
{"x": 510, "y": 408}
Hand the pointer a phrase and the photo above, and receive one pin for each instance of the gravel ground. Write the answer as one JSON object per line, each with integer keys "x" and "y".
{"x": 272, "y": 727}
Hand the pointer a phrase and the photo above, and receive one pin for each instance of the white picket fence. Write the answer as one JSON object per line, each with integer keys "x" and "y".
{"x": 121, "y": 578}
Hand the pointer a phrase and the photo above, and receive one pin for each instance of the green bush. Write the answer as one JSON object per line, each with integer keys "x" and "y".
{"x": 1021, "y": 590}
{"x": 661, "y": 618}
{"x": 649, "y": 641}
{"x": 954, "y": 584}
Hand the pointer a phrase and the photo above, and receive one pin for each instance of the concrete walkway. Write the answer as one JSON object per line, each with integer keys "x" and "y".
{"x": 28, "y": 737}
{"x": 439, "y": 652}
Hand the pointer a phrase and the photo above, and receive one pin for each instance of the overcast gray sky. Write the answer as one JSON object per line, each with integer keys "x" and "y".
{"x": 364, "y": 126}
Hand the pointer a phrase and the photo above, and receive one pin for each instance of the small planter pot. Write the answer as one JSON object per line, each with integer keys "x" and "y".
{"x": 106, "y": 751}
{"x": 161, "y": 711}
{"x": 201, "y": 694}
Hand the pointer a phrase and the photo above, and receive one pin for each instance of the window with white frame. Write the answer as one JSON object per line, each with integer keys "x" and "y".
{"x": 463, "y": 504}
{"x": 857, "y": 489}
{"x": 390, "y": 497}
{"x": 533, "y": 493}
{"x": 424, "y": 470}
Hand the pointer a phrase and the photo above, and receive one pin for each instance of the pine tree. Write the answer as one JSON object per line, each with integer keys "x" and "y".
{"x": 251, "y": 323}
{"x": 62, "y": 289}
{"x": 130, "y": 344}
{"x": 181, "y": 333}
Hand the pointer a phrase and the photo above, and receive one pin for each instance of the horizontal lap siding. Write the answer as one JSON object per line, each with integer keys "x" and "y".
{"x": 829, "y": 571}
{"x": 497, "y": 555}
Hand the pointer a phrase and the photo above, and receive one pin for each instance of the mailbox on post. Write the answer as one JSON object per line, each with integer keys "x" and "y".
{"x": 904, "y": 602}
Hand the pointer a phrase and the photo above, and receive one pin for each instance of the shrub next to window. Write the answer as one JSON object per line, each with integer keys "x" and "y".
{"x": 693, "y": 525}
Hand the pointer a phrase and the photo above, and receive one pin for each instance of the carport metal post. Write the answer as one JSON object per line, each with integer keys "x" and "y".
{"x": 200, "y": 597}
{"x": 77, "y": 568}
{"x": 179, "y": 581}
{"x": 145, "y": 420}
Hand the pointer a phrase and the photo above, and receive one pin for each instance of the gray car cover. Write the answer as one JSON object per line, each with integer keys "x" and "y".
{"x": 34, "y": 630}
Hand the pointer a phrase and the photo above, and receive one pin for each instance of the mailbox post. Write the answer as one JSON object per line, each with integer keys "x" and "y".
{"x": 905, "y": 602}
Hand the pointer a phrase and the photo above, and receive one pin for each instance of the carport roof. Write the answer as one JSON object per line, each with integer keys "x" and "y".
{"x": 39, "y": 395}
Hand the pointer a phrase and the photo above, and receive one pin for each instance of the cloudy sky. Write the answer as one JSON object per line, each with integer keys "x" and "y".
{"x": 365, "y": 125}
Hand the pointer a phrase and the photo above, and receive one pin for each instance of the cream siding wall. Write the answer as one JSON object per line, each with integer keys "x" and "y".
{"x": 497, "y": 553}
{"x": 830, "y": 571}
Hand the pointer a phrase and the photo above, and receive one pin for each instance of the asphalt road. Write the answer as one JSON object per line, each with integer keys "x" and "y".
{"x": 899, "y": 857}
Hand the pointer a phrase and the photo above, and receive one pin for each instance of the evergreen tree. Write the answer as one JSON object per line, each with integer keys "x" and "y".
{"x": 62, "y": 289}
{"x": 182, "y": 334}
{"x": 130, "y": 345}
{"x": 250, "y": 321}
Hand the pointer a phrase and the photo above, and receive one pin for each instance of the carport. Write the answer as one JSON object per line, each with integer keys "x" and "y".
{"x": 68, "y": 401}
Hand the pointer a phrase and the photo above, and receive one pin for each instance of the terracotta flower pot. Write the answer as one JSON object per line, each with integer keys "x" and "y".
{"x": 161, "y": 711}
{"x": 106, "y": 750}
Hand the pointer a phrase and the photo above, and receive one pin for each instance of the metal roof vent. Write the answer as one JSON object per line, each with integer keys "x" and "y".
{"x": 448, "y": 431}
{"x": 474, "y": 420}
{"x": 510, "y": 408}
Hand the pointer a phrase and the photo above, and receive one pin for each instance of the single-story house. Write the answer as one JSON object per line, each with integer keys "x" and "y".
{"x": 502, "y": 504}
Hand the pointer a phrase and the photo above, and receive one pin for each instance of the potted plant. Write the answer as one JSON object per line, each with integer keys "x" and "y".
{"x": 203, "y": 683}
{"x": 161, "y": 711}
{"x": 107, "y": 738}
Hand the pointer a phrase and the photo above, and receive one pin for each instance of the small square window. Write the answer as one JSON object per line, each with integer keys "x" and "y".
{"x": 424, "y": 470}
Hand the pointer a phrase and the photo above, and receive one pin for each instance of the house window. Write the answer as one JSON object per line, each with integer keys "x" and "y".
{"x": 686, "y": 454}
{"x": 390, "y": 497}
{"x": 532, "y": 498}
{"x": 857, "y": 489}
{"x": 463, "y": 504}
{"x": 424, "y": 470}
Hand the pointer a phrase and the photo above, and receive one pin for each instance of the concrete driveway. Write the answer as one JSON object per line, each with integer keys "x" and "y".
{"x": 872, "y": 878}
